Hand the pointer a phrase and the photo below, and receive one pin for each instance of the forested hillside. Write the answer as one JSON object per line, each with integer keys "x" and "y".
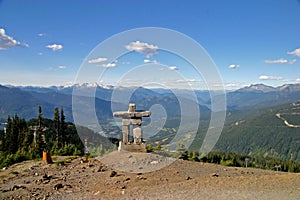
{"x": 272, "y": 131}
{"x": 22, "y": 140}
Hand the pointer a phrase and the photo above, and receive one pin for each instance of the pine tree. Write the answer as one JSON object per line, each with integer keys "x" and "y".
{"x": 39, "y": 143}
{"x": 62, "y": 126}
{"x": 40, "y": 117}
{"x": 1, "y": 140}
{"x": 57, "y": 127}
{"x": 6, "y": 135}
{"x": 13, "y": 133}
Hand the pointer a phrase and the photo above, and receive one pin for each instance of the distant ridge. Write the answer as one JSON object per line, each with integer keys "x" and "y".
{"x": 266, "y": 88}
{"x": 257, "y": 87}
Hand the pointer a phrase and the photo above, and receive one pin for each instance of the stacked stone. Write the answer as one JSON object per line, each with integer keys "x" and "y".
{"x": 133, "y": 118}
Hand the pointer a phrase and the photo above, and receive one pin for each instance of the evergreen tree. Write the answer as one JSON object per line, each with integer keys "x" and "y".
{"x": 12, "y": 135}
{"x": 39, "y": 143}
{"x": 40, "y": 117}
{"x": 1, "y": 140}
{"x": 62, "y": 126}
{"x": 57, "y": 127}
{"x": 6, "y": 135}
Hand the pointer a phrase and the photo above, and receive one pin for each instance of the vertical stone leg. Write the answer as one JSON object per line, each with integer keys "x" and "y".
{"x": 125, "y": 131}
{"x": 137, "y": 134}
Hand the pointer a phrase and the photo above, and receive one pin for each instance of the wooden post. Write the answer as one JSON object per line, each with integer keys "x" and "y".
{"x": 46, "y": 158}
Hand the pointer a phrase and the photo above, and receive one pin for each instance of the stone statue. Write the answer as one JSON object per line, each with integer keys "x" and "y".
{"x": 133, "y": 118}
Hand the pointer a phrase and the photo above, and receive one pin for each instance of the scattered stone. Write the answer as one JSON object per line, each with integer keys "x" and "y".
{"x": 113, "y": 174}
{"x": 67, "y": 186}
{"x": 4, "y": 168}
{"x": 154, "y": 162}
{"x": 58, "y": 186}
{"x": 36, "y": 174}
{"x": 127, "y": 179}
{"x": 101, "y": 169}
{"x": 14, "y": 173}
{"x": 46, "y": 177}
{"x": 214, "y": 175}
{"x": 188, "y": 178}
{"x": 141, "y": 178}
{"x": 34, "y": 194}
{"x": 16, "y": 187}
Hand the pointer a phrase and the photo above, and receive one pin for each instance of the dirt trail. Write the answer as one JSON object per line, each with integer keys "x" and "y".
{"x": 179, "y": 180}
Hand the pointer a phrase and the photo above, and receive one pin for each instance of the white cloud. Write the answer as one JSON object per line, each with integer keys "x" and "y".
{"x": 40, "y": 53}
{"x": 234, "y": 86}
{"x": 281, "y": 61}
{"x": 187, "y": 81}
{"x": 296, "y": 52}
{"x": 173, "y": 68}
{"x": 292, "y": 61}
{"x": 97, "y": 60}
{"x": 109, "y": 65}
{"x": 142, "y": 47}
{"x": 57, "y": 68}
{"x": 233, "y": 66}
{"x": 151, "y": 61}
{"x": 8, "y": 41}
{"x": 54, "y": 47}
{"x": 278, "y": 61}
{"x": 41, "y": 34}
{"x": 298, "y": 80}
{"x": 264, "y": 77}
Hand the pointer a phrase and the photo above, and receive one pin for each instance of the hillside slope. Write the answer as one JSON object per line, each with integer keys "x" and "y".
{"x": 273, "y": 131}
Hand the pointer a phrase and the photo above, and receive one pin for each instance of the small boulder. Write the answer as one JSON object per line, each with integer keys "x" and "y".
{"x": 113, "y": 174}
{"x": 214, "y": 175}
{"x": 58, "y": 186}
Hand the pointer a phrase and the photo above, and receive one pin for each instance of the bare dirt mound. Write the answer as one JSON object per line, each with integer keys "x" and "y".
{"x": 69, "y": 178}
{"x": 136, "y": 162}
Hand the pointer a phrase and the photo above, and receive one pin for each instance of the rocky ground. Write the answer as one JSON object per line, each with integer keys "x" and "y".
{"x": 142, "y": 176}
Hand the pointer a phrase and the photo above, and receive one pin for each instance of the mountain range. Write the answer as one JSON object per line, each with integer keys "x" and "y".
{"x": 258, "y": 116}
{"x": 24, "y": 100}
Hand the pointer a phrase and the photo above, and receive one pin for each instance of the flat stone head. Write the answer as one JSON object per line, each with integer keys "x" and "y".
{"x": 131, "y": 107}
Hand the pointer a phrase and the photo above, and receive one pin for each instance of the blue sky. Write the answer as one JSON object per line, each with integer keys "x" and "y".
{"x": 45, "y": 42}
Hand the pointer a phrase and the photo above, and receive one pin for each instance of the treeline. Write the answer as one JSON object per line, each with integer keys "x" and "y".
{"x": 23, "y": 140}
{"x": 238, "y": 160}
{"x": 229, "y": 159}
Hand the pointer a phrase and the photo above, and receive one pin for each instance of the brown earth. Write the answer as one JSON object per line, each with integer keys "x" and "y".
{"x": 179, "y": 180}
